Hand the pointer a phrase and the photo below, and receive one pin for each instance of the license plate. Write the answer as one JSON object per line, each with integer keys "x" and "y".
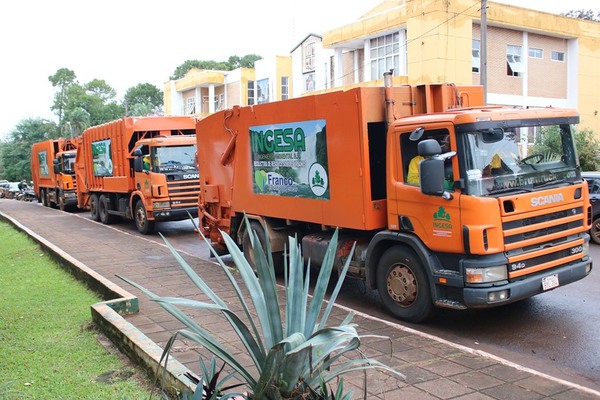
{"x": 550, "y": 282}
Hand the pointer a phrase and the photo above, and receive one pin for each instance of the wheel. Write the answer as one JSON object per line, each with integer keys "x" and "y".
{"x": 103, "y": 206}
{"x": 61, "y": 201}
{"x": 43, "y": 197}
{"x": 143, "y": 225}
{"x": 595, "y": 231}
{"x": 249, "y": 254}
{"x": 94, "y": 207}
{"x": 49, "y": 200}
{"x": 403, "y": 285}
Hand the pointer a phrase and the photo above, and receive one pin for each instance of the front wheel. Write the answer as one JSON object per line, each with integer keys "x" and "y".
{"x": 403, "y": 285}
{"x": 143, "y": 225}
{"x": 595, "y": 231}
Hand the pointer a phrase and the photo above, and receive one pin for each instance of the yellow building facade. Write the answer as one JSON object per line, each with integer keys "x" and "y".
{"x": 534, "y": 59}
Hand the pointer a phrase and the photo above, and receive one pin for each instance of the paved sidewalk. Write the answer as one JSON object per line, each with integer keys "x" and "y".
{"x": 434, "y": 368}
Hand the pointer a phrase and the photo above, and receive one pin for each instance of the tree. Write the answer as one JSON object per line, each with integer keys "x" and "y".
{"x": 143, "y": 99}
{"x": 62, "y": 80}
{"x": 588, "y": 146}
{"x": 78, "y": 120}
{"x": 97, "y": 98}
{"x": 583, "y": 14}
{"x": 16, "y": 153}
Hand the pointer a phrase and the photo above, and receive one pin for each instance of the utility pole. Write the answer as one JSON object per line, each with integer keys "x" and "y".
{"x": 483, "y": 50}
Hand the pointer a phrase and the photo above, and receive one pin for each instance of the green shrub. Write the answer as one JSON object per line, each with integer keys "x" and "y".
{"x": 297, "y": 355}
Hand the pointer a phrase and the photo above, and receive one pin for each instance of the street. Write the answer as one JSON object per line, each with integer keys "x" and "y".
{"x": 555, "y": 333}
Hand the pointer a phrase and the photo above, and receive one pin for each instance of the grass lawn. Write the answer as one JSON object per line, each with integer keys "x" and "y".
{"x": 49, "y": 347}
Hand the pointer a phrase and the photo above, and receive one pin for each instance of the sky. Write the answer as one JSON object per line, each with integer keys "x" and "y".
{"x": 129, "y": 42}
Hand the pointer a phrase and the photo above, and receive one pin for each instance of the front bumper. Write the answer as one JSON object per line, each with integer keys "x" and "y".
{"x": 526, "y": 287}
{"x": 176, "y": 214}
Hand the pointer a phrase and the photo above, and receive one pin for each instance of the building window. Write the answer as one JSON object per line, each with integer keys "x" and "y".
{"x": 250, "y": 93}
{"x": 220, "y": 102}
{"x": 558, "y": 56}
{"x": 514, "y": 65}
{"x": 476, "y": 52}
{"x": 385, "y": 55}
{"x": 536, "y": 53}
{"x": 262, "y": 88}
{"x": 309, "y": 82}
{"x": 309, "y": 57}
{"x": 285, "y": 88}
{"x": 190, "y": 105}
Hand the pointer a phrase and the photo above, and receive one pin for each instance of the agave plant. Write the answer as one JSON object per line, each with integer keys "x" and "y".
{"x": 297, "y": 355}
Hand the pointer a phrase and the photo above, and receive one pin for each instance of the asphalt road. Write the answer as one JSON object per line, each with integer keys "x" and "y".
{"x": 555, "y": 333}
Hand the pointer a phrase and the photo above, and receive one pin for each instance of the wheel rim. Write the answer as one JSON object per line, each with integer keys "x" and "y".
{"x": 402, "y": 285}
{"x": 140, "y": 216}
{"x": 595, "y": 232}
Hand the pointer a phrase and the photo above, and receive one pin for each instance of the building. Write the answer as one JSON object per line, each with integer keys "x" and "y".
{"x": 202, "y": 92}
{"x": 534, "y": 59}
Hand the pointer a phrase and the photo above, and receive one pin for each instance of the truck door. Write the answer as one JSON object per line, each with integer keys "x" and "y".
{"x": 435, "y": 220}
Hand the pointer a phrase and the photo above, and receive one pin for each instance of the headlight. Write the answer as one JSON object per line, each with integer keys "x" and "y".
{"x": 161, "y": 204}
{"x": 484, "y": 275}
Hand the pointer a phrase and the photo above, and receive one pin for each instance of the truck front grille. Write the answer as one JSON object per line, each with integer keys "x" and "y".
{"x": 184, "y": 194}
{"x": 541, "y": 240}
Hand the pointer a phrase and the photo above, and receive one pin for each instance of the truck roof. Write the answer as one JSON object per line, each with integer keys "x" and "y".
{"x": 491, "y": 113}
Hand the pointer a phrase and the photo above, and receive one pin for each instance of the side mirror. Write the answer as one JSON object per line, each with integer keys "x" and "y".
{"x": 138, "y": 164}
{"x": 431, "y": 174}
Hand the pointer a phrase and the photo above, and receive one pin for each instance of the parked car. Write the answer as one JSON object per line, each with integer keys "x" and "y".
{"x": 593, "y": 180}
{"x": 9, "y": 190}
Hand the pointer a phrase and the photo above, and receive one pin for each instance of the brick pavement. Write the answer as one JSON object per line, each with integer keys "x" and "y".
{"x": 434, "y": 368}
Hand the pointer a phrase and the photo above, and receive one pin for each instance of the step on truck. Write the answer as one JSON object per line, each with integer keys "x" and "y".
{"x": 53, "y": 173}
{"x": 139, "y": 168}
{"x": 482, "y": 224}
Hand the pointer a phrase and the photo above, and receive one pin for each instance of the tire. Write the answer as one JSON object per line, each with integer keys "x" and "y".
{"x": 43, "y": 198}
{"x": 143, "y": 225}
{"x": 94, "y": 207}
{"x": 249, "y": 254}
{"x": 61, "y": 201}
{"x": 103, "y": 206}
{"x": 48, "y": 200}
{"x": 595, "y": 231}
{"x": 403, "y": 285}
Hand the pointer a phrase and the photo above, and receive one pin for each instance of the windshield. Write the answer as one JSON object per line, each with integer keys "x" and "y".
{"x": 498, "y": 160}
{"x": 174, "y": 158}
{"x": 69, "y": 163}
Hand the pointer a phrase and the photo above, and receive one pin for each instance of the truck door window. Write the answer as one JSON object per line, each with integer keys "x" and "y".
{"x": 410, "y": 152}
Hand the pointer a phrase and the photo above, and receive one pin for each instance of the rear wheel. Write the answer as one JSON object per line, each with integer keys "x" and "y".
{"x": 43, "y": 197}
{"x": 249, "y": 253}
{"x": 49, "y": 199}
{"x": 403, "y": 285}
{"x": 103, "y": 207}
{"x": 595, "y": 231}
{"x": 61, "y": 201}
{"x": 143, "y": 225}
{"x": 94, "y": 207}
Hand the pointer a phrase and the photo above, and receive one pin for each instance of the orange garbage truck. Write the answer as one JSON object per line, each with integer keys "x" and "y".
{"x": 139, "y": 168}
{"x": 53, "y": 172}
{"x": 465, "y": 234}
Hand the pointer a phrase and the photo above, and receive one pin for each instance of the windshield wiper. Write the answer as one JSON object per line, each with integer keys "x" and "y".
{"x": 510, "y": 190}
{"x": 553, "y": 182}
